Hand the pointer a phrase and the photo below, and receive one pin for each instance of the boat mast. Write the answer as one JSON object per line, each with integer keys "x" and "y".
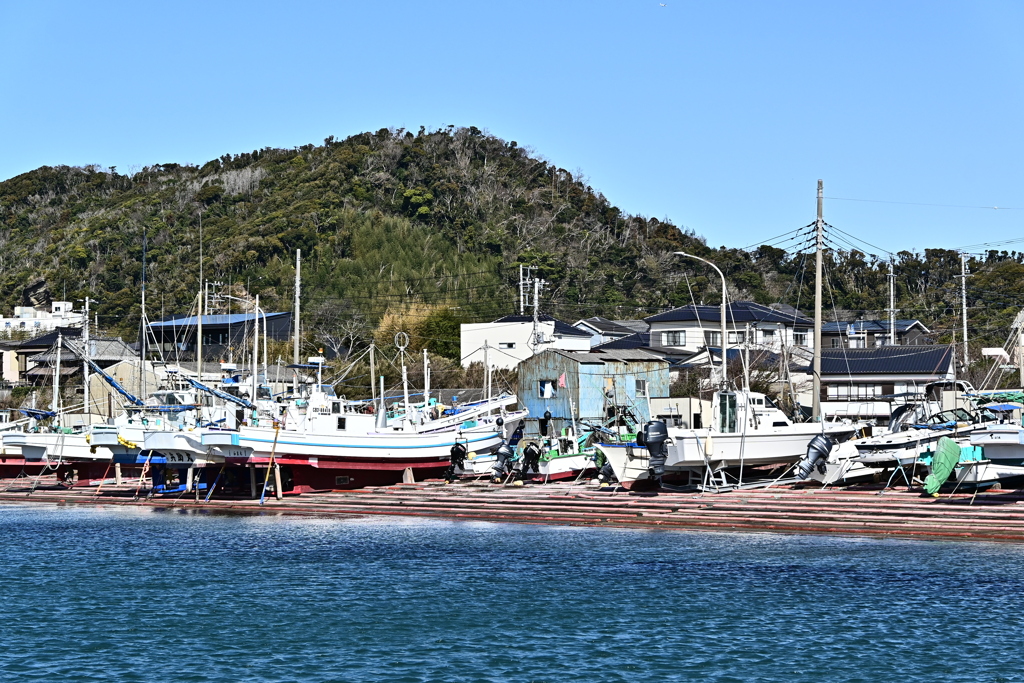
{"x": 255, "y": 347}
{"x": 85, "y": 359}
{"x": 819, "y": 226}
{"x": 55, "y": 403}
{"x": 202, "y": 295}
{"x": 295, "y": 341}
{"x": 963, "y": 301}
{"x": 892, "y": 304}
{"x": 145, "y": 323}
{"x": 426, "y": 381}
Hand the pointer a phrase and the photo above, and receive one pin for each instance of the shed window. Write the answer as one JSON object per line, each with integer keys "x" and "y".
{"x": 641, "y": 388}
{"x": 341, "y": 423}
{"x": 547, "y": 388}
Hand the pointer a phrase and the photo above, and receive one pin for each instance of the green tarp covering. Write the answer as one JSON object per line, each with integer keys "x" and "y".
{"x": 947, "y": 455}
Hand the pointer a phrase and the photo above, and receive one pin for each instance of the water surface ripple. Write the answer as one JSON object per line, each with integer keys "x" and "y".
{"x": 142, "y": 595}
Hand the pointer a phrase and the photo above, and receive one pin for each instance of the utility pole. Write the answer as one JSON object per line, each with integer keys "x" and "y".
{"x": 537, "y": 284}
{"x": 522, "y": 292}
{"x": 85, "y": 358}
{"x": 487, "y": 371}
{"x": 963, "y": 302}
{"x": 892, "y": 304}
{"x": 819, "y": 228}
{"x": 295, "y": 349}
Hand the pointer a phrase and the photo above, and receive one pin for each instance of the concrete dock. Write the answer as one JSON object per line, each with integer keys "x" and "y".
{"x": 988, "y": 516}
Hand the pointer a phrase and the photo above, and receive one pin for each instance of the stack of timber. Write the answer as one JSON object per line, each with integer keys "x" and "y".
{"x": 990, "y": 516}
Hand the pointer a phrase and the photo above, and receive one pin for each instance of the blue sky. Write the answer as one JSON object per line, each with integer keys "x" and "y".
{"x": 719, "y": 116}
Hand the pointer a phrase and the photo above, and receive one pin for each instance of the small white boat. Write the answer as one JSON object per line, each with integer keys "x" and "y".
{"x": 749, "y": 431}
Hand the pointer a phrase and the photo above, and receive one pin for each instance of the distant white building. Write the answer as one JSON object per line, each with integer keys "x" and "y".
{"x": 510, "y": 340}
{"x": 34, "y": 322}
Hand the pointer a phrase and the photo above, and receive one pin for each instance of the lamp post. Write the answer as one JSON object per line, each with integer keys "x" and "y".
{"x": 725, "y": 337}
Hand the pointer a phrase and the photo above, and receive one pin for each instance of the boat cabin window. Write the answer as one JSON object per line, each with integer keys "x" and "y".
{"x": 328, "y": 389}
{"x": 727, "y": 413}
{"x": 336, "y": 408}
{"x": 341, "y": 422}
{"x": 263, "y": 392}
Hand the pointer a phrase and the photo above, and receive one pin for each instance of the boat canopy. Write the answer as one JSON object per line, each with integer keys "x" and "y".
{"x": 220, "y": 394}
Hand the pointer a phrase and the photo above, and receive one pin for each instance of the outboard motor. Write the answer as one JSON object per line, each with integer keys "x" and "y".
{"x": 543, "y": 422}
{"x": 818, "y": 451}
{"x": 655, "y": 434}
{"x": 504, "y": 464}
{"x": 531, "y": 458}
{"x": 458, "y": 454}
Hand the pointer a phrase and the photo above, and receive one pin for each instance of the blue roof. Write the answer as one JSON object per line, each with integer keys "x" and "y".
{"x": 192, "y": 320}
{"x": 633, "y": 341}
{"x": 911, "y": 360}
{"x": 737, "y": 311}
{"x": 874, "y": 326}
{"x": 562, "y": 328}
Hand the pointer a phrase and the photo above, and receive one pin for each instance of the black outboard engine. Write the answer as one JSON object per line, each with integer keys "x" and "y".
{"x": 818, "y": 451}
{"x": 543, "y": 422}
{"x": 531, "y": 459}
{"x": 655, "y": 434}
{"x": 458, "y": 454}
{"x": 504, "y": 464}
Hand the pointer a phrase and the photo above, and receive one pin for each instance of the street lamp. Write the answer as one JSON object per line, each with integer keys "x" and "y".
{"x": 725, "y": 337}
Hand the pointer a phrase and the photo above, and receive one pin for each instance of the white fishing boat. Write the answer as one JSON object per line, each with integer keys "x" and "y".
{"x": 749, "y": 431}
{"x": 911, "y": 437}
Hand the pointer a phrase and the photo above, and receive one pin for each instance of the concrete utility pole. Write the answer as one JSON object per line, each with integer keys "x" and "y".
{"x": 819, "y": 228}
{"x": 537, "y": 284}
{"x": 892, "y": 304}
{"x": 522, "y": 292}
{"x": 963, "y": 302}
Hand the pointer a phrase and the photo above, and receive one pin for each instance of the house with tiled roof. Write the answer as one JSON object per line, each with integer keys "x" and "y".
{"x": 694, "y": 328}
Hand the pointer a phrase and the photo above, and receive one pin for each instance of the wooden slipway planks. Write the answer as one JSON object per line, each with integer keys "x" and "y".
{"x": 996, "y": 516}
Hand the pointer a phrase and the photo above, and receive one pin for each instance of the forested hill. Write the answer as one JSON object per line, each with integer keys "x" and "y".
{"x": 416, "y": 231}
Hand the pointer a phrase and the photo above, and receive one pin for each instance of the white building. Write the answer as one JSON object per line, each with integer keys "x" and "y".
{"x": 510, "y": 340}
{"x": 694, "y": 328}
{"x": 34, "y": 322}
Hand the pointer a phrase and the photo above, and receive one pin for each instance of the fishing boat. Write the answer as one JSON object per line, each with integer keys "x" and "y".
{"x": 749, "y": 431}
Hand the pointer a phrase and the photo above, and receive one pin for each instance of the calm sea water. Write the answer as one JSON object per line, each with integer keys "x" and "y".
{"x": 138, "y": 595}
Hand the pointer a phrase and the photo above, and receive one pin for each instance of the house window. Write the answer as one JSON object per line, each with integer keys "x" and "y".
{"x": 673, "y": 338}
{"x": 768, "y": 336}
{"x": 341, "y": 423}
{"x": 800, "y": 337}
{"x": 837, "y": 343}
{"x": 712, "y": 338}
{"x": 35, "y": 324}
{"x": 547, "y": 388}
{"x": 858, "y": 343}
{"x": 506, "y": 345}
{"x": 641, "y": 388}
{"x": 737, "y": 337}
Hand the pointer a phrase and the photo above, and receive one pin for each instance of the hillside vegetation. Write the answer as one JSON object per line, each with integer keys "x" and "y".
{"x": 421, "y": 231}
